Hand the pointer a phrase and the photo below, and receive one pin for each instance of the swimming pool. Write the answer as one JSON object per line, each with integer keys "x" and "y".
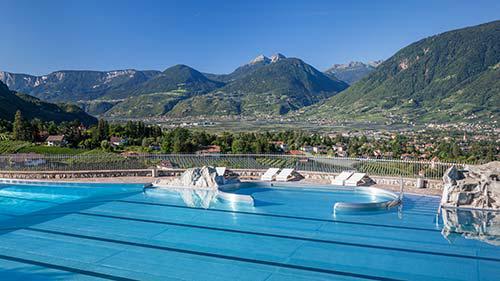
{"x": 119, "y": 232}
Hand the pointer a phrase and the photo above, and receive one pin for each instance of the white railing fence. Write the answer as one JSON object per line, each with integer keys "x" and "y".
{"x": 110, "y": 161}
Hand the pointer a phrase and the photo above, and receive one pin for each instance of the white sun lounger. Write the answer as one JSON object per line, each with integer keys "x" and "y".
{"x": 269, "y": 174}
{"x": 341, "y": 179}
{"x": 221, "y": 171}
{"x": 356, "y": 179}
{"x": 285, "y": 175}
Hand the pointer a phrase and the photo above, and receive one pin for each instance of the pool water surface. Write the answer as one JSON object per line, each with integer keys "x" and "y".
{"x": 61, "y": 231}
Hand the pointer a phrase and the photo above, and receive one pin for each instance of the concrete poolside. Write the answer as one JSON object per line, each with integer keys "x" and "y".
{"x": 147, "y": 180}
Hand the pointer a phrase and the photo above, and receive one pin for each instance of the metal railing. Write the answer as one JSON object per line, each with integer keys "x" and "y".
{"x": 324, "y": 164}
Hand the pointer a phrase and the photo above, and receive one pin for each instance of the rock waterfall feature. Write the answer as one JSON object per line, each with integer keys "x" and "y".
{"x": 475, "y": 187}
{"x": 204, "y": 177}
{"x": 471, "y": 203}
{"x": 200, "y": 187}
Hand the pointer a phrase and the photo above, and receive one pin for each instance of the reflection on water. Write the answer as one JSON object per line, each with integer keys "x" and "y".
{"x": 472, "y": 224}
{"x": 192, "y": 197}
{"x": 202, "y": 197}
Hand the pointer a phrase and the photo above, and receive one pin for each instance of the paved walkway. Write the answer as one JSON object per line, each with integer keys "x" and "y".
{"x": 422, "y": 191}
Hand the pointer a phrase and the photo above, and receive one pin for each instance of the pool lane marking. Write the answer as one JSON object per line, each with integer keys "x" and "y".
{"x": 213, "y": 255}
{"x": 278, "y": 215}
{"x": 66, "y": 268}
{"x": 290, "y": 237}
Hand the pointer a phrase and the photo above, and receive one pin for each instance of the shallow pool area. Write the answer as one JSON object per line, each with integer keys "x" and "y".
{"x": 61, "y": 231}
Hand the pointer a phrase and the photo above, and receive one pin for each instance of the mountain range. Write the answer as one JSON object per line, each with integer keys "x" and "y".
{"x": 453, "y": 76}
{"x": 265, "y": 86}
{"x": 268, "y": 87}
{"x": 75, "y": 85}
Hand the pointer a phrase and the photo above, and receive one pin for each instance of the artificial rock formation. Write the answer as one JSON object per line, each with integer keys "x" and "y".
{"x": 475, "y": 187}
{"x": 200, "y": 178}
{"x": 199, "y": 187}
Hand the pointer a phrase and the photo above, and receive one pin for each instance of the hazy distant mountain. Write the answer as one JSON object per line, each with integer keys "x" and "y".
{"x": 264, "y": 87}
{"x": 453, "y": 76}
{"x": 31, "y": 107}
{"x": 74, "y": 85}
{"x": 352, "y": 71}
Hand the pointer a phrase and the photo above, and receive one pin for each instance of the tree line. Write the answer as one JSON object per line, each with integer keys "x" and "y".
{"x": 152, "y": 138}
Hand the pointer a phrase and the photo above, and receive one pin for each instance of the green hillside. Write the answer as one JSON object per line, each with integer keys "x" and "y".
{"x": 147, "y": 105}
{"x": 32, "y": 107}
{"x": 452, "y": 76}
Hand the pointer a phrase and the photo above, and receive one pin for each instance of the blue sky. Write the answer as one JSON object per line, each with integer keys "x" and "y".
{"x": 217, "y": 36}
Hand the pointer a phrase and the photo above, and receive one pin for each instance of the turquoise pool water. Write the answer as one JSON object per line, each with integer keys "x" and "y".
{"x": 120, "y": 232}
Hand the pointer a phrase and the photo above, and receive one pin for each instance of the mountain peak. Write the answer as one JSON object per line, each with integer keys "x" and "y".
{"x": 375, "y": 63}
{"x": 260, "y": 58}
{"x": 352, "y": 71}
{"x": 351, "y": 64}
{"x": 276, "y": 57}
{"x": 179, "y": 66}
{"x": 355, "y": 64}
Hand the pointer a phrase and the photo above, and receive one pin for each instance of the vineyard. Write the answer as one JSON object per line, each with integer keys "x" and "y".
{"x": 410, "y": 169}
{"x": 94, "y": 160}
{"x": 12, "y": 146}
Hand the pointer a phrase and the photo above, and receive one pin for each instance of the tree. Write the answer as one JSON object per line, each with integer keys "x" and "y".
{"x": 5, "y": 126}
{"x": 456, "y": 152}
{"x": 225, "y": 141}
{"x": 20, "y": 128}
{"x": 397, "y": 145}
{"x": 102, "y": 131}
{"x": 105, "y": 145}
{"x": 181, "y": 141}
{"x": 52, "y": 128}
{"x": 238, "y": 146}
{"x": 146, "y": 142}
